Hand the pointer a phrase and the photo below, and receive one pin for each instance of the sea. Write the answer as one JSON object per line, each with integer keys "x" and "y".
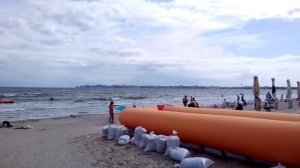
{"x": 34, "y": 103}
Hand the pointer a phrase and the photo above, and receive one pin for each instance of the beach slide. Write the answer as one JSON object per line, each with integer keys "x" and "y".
{"x": 6, "y": 101}
{"x": 274, "y": 141}
{"x": 240, "y": 113}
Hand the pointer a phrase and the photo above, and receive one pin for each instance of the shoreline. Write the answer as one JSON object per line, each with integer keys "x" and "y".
{"x": 282, "y": 108}
{"x": 55, "y": 118}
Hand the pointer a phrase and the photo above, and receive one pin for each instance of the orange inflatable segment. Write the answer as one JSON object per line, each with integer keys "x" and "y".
{"x": 240, "y": 113}
{"x": 270, "y": 140}
{"x": 6, "y": 101}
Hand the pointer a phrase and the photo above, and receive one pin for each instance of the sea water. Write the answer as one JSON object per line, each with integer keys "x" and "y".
{"x": 34, "y": 103}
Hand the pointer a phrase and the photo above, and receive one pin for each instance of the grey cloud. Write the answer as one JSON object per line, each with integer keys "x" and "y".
{"x": 87, "y": 0}
{"x": 296, "y": 10}
{"x": 42, "y": 28}
{"x": 51, "y": 42}
{"x": 161, "y": 1}
{"x": 146, "y": 68}
{"x": 75, "y": 19}
{"x": 151, "y": 66}
{"x": 3, "y": 64}
{"x": 120, "y": 52}
{"x": 11, "y": 22}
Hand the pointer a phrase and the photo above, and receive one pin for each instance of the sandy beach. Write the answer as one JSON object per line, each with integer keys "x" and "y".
{"x": 76, "y": 141}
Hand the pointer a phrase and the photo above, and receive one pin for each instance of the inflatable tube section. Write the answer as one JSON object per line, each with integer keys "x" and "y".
{"x": 269, "y": 140}
{"x": 6, "y": 101}
{"x": 239, "y": 113}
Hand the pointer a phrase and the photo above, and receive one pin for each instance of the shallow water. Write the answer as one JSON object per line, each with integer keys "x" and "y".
{"x": 34, "y": 103}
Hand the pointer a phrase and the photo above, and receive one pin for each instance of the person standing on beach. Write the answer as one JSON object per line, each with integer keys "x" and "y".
{"x": 185, "y": 101}
{"x": 111, "y": 112}
{"x": 268, "y": 98}
{"x": 243, "y": 100}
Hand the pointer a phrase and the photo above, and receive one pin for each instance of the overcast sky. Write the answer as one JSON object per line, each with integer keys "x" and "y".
{"x": 149, "y": 42}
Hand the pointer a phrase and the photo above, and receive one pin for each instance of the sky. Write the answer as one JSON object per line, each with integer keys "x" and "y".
{"x": 66, "y": 43}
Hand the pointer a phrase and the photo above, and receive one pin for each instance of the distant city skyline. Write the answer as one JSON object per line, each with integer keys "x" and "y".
{"x": 67, "y": 43}
{"x": 180, "y": 86}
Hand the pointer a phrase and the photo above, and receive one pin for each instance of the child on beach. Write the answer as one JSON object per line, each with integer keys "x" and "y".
{"x": 111, "y": 112}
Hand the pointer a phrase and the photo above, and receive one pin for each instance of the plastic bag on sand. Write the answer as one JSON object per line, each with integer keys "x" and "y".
{"x": 144, "y": 141}
{"x": 138, "y": 133}
{"x": 179, "y": 154}
{"x": 105, "y": 131}
{"x": 135, "y": 135}
{"x": 122, "y": 130}
{"x": 161, "y": 143}
{"x": 132, "y": 141}
{"x": 151, "y": 143}
{"x": 124, "y": 139}
{"x": 112, "y": 130}
{"x": 196, "y": 162}
{"x": 172, "y": 142}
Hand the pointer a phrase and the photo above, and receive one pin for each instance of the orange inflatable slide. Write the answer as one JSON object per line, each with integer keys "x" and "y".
{"x": 271, "y": 140}
{"x": 6, "y": 101}
{"x": 228, "y": 112}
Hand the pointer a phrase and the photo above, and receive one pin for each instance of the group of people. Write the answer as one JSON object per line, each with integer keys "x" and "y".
{"x": 270, "y": 102}
{"x": 238, "y": 105}
{"x": 228, "y": 104}
{"x": 190, "y": 103}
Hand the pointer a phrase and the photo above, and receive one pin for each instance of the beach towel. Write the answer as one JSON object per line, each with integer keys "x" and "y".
{"x": 121, "y": 107}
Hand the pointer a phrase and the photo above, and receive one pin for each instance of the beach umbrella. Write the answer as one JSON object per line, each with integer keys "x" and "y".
{"x": 289, "y": 93}
{"x": 289, "y": 90}
{"x": 256, "y": 92}
{"x": 298, "y": 89}
{"x": 273, "y": 89}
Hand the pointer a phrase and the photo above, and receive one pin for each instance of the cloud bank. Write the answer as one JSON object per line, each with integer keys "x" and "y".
{"x": 145, "y": 42}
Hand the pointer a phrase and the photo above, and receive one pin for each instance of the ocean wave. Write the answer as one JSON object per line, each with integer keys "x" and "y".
{"x": 98, "y": 98}
{"x": 80, "y": 100}
{"x": 136, "y": 97}
{"x": 8, "y": 95}
{"x": 36, "y": 94}
{"x": 11, "y": 109}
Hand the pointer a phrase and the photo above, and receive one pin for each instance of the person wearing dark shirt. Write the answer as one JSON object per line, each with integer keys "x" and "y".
{"x": 185, "y": 101}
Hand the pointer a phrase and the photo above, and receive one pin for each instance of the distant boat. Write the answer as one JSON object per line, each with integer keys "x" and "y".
{"x": 6, "y": 101}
